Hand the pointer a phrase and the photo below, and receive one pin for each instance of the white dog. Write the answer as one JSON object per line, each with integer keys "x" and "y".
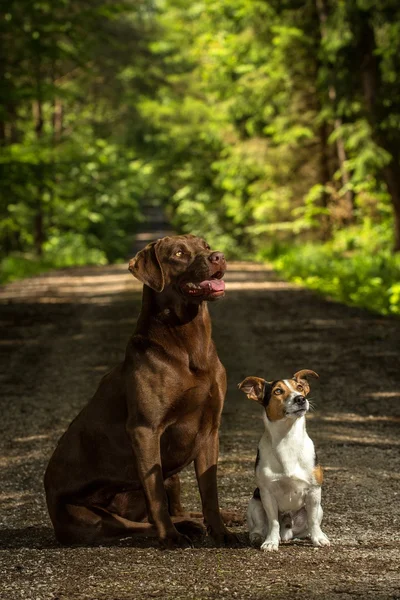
{"x": 287, "y": 501}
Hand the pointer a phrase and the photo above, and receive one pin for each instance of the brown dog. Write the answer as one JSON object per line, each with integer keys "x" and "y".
{"x": 116, "y": 465}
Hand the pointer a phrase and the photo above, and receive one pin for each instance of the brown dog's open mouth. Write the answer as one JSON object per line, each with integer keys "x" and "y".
{"x": 209, "y": 288}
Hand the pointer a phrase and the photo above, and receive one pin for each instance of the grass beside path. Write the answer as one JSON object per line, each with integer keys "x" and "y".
{"x": 367, "y": 279}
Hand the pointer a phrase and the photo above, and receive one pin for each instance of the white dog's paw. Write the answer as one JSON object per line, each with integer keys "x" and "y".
{"x": 270, "y": 546}
{"x": 256, "y": 539}
{"x": 320, "y": 539}
{"x": 286, "y": 535}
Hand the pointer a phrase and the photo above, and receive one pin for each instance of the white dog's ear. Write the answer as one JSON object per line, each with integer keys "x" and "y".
{"x": 305, "y": 374}
{"x": 254, "y": 388}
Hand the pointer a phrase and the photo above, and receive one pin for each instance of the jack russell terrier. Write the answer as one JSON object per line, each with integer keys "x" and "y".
{"x": 287, "y": 502}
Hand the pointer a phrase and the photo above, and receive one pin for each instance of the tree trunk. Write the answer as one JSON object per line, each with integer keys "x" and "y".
{"x": 392, "y": 179}
{"x": 322, "y": 11}
{"x": 376, "y": 112}
{"x": 324, "y": 170}
{"x": 39, "y": 219}
{"x": 325, "y": 176}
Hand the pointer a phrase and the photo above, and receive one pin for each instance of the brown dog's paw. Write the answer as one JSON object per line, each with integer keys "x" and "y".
{"x": 231, "y": 517}
{"x": 228, "y": 539}
{"x": 190, "y": 528}
{"x": 172, "y": 542}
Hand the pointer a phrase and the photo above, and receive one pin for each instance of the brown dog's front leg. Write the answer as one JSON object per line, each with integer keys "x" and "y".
{"x": 146, "y": 446}
{"x": 206, "y": 472}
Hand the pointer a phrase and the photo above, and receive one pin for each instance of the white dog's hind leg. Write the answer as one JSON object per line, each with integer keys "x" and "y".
{"x": 286, "y": 527}
{"x": 256, "y": 522}
{"x": 314, "y": 514}
{"x": 300, "y": 524}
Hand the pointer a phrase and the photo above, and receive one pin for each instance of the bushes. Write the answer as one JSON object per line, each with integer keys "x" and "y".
{"x": 68, "y": 250}
{"x": 357, "y": 277}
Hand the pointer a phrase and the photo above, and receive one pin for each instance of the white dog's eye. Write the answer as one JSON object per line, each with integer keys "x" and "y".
{"x": 179, "y": 253}
{"x": 278, "y": 391}
{"x": 300, "y": 388}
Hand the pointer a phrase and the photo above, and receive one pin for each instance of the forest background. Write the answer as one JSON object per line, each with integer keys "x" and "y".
{"x": 271, "y": 127}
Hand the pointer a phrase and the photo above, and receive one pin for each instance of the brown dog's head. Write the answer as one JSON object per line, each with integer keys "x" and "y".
{"x": 183, "y": 262}
{"x": 284, "y": 398}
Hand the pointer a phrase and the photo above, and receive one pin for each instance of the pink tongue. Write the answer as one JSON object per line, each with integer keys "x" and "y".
{"x": 214, "y": 285}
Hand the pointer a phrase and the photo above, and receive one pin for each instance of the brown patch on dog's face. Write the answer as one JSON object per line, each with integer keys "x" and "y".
{"x": 184, "y": 263}
{"x": 276, "y": 405}
{"x": 318, "y": 474}
{"x": 287, "y": 398}
{"x": 302, "y": 386}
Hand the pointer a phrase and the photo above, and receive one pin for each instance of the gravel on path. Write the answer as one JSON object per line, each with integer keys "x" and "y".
{"x": 62, "y": 331}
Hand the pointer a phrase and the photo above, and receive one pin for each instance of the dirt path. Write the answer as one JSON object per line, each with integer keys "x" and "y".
{"x": 61, "y": 332}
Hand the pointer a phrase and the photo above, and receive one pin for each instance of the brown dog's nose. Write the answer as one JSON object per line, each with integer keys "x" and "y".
{"x": 217, "y": 258}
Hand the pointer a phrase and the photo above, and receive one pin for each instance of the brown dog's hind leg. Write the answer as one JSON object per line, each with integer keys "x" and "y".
{"x": 131, "y": 505}
{"x": 232, "y": 517}
{"x": 192, "y": 528}
{"x": 80, "y": 525}
{"x": 173, "y": 489}
{"x": 187, "y": 523}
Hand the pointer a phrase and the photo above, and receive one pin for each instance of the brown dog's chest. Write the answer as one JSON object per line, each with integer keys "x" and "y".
{"x": 184, "y": 435}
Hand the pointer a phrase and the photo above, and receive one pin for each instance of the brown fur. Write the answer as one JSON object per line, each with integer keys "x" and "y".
{"x": 114, "y": 471}
{"x": 318, "y": 474}
{"x": 276, "y": 405}
{"x": 253, "y": 387}
{"x": 276, "y": 408}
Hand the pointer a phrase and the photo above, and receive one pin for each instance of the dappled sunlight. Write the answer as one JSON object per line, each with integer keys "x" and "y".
{"x": 383, "y": 395}
{"x": 252, "y": 276}
{"x": 350, "y": 438}
{"x": 249, "y": 267}
{"x": 15, "y": 499}
{"x": 353, "y": 418}
{"x": 347, "y": 428}
{"x": 99, "y": 285}
{"x": 235, "y": 286}
{"x": 34, "y": 438}
{"x": 6, "y": 461}
{"x": 147, "y": 237}
{"x": 271, "y": 130}
{"x": 94, "y": 285}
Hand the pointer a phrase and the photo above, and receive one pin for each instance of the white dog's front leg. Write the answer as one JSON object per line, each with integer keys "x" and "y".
{"x": 270, "y": 505}
{"x": 314, "y": 514}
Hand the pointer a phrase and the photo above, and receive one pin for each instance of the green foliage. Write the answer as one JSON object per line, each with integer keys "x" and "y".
{"x": 68, "y": 250}
{"x": 257, "y": 124}
{"x": 355, "y": 268}
{"x": 71, "y": 180}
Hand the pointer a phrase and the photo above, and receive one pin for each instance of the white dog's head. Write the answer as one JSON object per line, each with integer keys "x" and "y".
{"x": 283, "y": 398}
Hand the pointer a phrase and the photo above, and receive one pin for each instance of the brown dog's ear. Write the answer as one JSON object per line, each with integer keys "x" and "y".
{"x": 146, "y": 267}
{"x": 305, "y": 373}
{"x": 254, "y": 388}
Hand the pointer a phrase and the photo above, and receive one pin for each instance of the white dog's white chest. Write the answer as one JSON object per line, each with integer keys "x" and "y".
{"x": 286, "y": 472}
{"x": 289, "y": 492}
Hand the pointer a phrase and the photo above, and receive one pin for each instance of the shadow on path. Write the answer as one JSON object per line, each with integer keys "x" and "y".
{"x": 61, "y": 332}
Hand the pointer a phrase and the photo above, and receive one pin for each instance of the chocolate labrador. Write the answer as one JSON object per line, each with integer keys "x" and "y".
{"x": 114, "y": 471}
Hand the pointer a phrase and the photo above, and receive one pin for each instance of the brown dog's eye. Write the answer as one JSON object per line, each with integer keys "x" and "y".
{"x": 179, "y": 253}
{"x": 300, "y": 388}
{"x": 278, "y": 391}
